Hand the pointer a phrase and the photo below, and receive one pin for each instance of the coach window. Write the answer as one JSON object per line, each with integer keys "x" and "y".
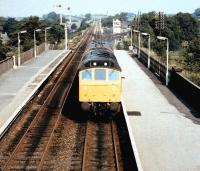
{"x": 100, "y": 74}
{"x": 113, "y": 75}
{"x": 86, "y": 75}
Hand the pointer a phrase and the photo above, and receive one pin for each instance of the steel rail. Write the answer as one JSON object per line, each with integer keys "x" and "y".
{"x": 115, "y": 146}
{"x": 42, "y": 109}
{"x": 85, "y": 149}
{"x": 61, "y": 105}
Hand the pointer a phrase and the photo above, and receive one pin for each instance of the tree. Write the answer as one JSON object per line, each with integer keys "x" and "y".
{"x": 52, "y": 17}
{"x": 10, "y": 26}
{"x": 107, "y": 22}
{"x": 88, "y": 16}
{"x": 178, "y": 28}
{"x": 3, "y": 50}
{"x": 192, "y": 55}
{"x": 122, "y": 16}
{"x": 74, "y": 27}
{"x": 57, "y": 33}
{"x": 83, "y": 25}
{"x": 197, "y": 12}
{"x": 188, "y": 25}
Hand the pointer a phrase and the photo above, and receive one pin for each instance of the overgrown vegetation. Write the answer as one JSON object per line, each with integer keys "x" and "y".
{"x": 108, "y": 22}
{"x": 55, "y": 35}
{"x": 183, "y": 32}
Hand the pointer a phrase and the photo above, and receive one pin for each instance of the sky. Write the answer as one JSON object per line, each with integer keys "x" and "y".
{"x": 24, "y": 8}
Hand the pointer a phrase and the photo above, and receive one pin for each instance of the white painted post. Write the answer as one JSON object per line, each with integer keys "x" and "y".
{"x": 19, "y": 57}
{"x": 167, "y": 54}
{"x": 14, "y": 63}
{"x": 131, "y": 37}
{"x": 66, "y": 36}
{"x": 45, "y": 36}
{"x": 45, "y": 39}
{"x": 34, "y": 45}
{"x": 167, "y": 72}
{"x": 149, "y": 54}
{"x": 139, "y": 44}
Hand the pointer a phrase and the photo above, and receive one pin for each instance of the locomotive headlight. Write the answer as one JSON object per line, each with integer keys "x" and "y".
{"x": 105, "y": 63}
{"x": 94, "y": 63}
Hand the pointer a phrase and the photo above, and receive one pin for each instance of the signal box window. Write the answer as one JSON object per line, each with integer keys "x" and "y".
{"x": 100, "y": 74}
{"x": 113, "y": 75}
{"x": 86, "y": 75}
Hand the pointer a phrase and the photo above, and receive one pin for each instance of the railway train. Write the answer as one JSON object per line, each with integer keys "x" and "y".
{"x": 100, "y": 79}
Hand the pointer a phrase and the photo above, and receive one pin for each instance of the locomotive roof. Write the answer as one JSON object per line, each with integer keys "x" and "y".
{"x": 99, "y": 55}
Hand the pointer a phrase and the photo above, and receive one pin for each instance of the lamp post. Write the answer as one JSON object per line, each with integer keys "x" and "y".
{"x": 65, "y": 36}
{"x": 19, "y": 57}
{"x": 45, "y": 37}
{"x": 131, "y": 46}
{"x": 70, "y": 17}
{"x": 129, "y": 26}
{"x": 137, "y": 31}
{"x": 60, "y": 6}
{"x": 131, "y": 37}
{"x": 65, "y": 26}
{"x": 149, "y": 45}
{"x": 167, "y": 54}
{"x": 35, "y": 52}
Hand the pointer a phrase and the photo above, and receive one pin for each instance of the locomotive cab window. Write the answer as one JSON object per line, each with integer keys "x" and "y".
{"x": 113, "y": 75}
{"x": 100, "y": 74}
{"x": 86, "y": 75}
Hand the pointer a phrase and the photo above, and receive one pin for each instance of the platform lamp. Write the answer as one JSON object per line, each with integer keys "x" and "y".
{"x": 149, "y": 46}
{"x": 137, "y": 31}
{"x": 35, "y": 48}
{"x": 45, "y": 36}
{"x": 60, "y": 6}
{"x": 65, "y": 26}
{"x": 70, "y": 17}
{"x": 167, "y": 54}
{"x": 19, "y": 57}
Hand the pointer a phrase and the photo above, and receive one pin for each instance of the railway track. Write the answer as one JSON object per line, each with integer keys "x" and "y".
{"x": 28, "y": 146}
{"x": 49, "y": 135}
{"x": 101, "y": 149}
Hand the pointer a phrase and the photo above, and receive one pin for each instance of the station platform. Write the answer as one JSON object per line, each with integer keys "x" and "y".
{"x": 165, "y": 133}
{"x": 18, "y": 85}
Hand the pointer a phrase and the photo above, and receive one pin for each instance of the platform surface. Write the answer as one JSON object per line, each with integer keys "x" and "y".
{"x": 17, "y": 84}
{"x": 166, "y": 136}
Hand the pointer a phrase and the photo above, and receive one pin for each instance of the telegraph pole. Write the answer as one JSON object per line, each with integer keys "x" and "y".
{"x": 160, "y": 22}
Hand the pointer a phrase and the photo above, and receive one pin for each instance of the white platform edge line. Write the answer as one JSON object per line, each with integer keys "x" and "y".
{"x": 135, "y": 150}
{"x": 15, "y": 114}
